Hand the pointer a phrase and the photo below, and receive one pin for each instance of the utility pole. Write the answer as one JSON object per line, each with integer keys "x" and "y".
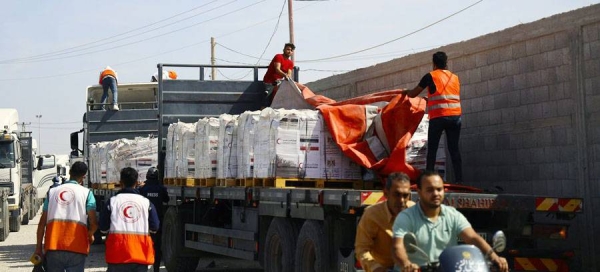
{"x": 24, "y": 126}
{"x": 291, "y": 20}
{"x": 39, "y": 117}
{"x": 213, "y": 72}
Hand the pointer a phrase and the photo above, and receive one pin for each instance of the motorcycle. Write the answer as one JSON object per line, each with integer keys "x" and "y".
{"x": 460, "y": 258}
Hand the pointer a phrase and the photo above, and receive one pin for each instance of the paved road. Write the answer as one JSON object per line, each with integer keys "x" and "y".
{"x": 18, "y": 247}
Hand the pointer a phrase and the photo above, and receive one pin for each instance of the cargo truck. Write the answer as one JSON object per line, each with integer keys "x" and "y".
{"x": 299, "y": 228}
{"x": 16, "y": 173}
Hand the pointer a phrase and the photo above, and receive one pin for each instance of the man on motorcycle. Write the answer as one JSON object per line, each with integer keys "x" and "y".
{"x": 374, "y": 232}
{"x": 436, "y": 227}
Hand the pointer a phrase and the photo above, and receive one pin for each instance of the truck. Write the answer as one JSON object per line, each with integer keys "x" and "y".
{"x": 49, "y": 166}
{"x": 305, "y": 228}
{"x": 16, "y": 171}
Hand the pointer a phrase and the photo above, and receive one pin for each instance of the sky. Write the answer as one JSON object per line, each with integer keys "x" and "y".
{"x": 51, "y": 51}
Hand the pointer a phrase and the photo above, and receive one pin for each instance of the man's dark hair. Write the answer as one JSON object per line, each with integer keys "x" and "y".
{"x": 396, "y": 177}
{"x": 424, "y": 174}
{"x": 290, "y": 45}
{"x": 129, "y": 177}
{"x": 78, "y": 169}
{"x": 440, "y": 60}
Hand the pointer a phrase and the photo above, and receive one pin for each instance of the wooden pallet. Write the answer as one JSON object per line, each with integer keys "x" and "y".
{"x": 228, "y": 182}
{"x": 319, "y": 183}
{"x": 169, "y": 181}
{"x": 256, "y": 182}
{"x": 205, "y": 182}
{"x": 106, "y": 185}
{"x": 95, "y": 185}
{"x": 187, "y": 182}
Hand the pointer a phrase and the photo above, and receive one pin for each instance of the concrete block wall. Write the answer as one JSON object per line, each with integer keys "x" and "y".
{"x": 531, "y": 110}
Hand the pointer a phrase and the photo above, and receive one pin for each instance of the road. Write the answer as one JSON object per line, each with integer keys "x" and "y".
{"x": 18, "y": 247}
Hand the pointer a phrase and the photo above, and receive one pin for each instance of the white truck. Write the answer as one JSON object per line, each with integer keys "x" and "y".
{"x": 16, "y": 173}
{"x": 47, "y": 167}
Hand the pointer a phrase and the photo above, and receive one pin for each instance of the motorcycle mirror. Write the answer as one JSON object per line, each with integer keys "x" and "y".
{"x": 410, "y": 242}
{"x": 499, "y": 241}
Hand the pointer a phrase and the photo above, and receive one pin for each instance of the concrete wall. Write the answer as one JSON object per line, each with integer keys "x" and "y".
{"x": 531, "y": 110}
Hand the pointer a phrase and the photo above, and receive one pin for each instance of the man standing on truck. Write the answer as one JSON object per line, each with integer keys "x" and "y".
{"x": 108, "y": 79}
{"x": 281, "y": 67}
{"x": 443, "y": 107}
{"x": 436, "y": 227}
{"x": 64, "y": 223}
{"x": 129, "y": 218}
{"x": 374, "y": 232}
{"x": 157, "y": 194}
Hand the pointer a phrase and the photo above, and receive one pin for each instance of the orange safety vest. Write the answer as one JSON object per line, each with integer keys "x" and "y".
{"x": 105, "y": 73}
{"x": 129, "y": 239}
{"x": 66, "y": 229}
{"x": 446, "y": 99}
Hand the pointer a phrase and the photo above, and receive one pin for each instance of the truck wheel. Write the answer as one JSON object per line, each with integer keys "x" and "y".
{"x": 280, "y": 244}
{"x": 25, "y": 217}
{"x": 312, "y": 253}
{"x": 15, "y": 223}
{"x": 173, "y": 250}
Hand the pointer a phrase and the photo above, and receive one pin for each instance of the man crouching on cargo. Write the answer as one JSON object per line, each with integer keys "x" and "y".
{"x": 129, "y": 218}
{"x": 374, "y": 233}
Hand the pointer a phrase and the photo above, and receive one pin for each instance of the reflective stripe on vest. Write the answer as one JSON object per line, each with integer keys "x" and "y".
{"x": 446, "y": 99}
{"x": 66, "y": 227}
{"x": 129, "y": 240}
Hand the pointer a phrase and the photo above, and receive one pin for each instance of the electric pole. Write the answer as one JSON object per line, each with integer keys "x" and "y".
{"x": 213, "y": 72}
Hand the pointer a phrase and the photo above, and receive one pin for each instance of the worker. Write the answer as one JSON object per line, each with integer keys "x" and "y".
{"x": 374, "y": 232}
{"x": 68, "y": 223}
{"x": 108, "y": 80}
{"x": 280, "y": 68}
{"x": 128, "y": 220}
{"x": 157, "y": 194}
{"x": 443, "y": 107}
{"x": 166, "y": 75}
{"x": 436, "y": 226}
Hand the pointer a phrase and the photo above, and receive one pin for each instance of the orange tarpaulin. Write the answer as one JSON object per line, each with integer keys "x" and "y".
{"x": 373, "y": 130}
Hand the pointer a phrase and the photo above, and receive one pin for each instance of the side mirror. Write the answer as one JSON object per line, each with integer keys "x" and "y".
{"x": 410, "y": 242}
{"x": 40, "y": 162}
{"x": 499, "y": 241}
{"x": 75, "y": 141}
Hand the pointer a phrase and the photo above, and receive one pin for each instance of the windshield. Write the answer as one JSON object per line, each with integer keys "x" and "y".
{"x": 7, "y": 154}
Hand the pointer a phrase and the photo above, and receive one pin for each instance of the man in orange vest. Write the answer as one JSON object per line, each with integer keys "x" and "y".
{"x": 443, "y": 107}
{"x": 108, "y": 79}
{"x": 129, "y": 218}
{"x": 64, "y": 223}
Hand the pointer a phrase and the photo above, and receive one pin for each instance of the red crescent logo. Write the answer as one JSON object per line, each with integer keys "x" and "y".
{"x": 61, "y": 196}
{"x": 126, "y": 213}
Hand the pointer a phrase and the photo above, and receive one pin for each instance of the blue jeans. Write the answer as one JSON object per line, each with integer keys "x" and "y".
{"x": 60, "y": 261}
{"x": 109, "y": 82}
{"x": 451, "y": 125}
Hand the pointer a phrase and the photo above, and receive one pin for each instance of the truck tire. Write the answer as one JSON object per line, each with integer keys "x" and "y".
{"x": 312, "y": 251}
{"x": 15, "y": 223}
{"x": 25, "y": 218}
{"x": 4, "y": 228}
{"x": 174, "y": 253}
{"x": 280, "y": 245}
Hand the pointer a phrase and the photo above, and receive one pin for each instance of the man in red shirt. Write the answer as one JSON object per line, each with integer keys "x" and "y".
{"x": 280, "y": 67}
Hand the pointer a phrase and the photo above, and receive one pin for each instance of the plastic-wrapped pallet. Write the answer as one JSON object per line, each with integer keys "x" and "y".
{"x": 334, "y": 163}
{"x": 170, "y": 152}
{"x": 206, "y": 145}
{"x": 226, "y": 153}
{"x": 311, "y": 128}
{"x": 185, "y": 135}
{"x": 264, "y": 143}
{"x": 112, "y": 167}
{"x": 289, "y": 156}
{"x": 247, "y": 125}
{"x": 416, "y": 150}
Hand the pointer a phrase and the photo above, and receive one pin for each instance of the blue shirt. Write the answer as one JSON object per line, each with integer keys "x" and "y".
{"x": 432, "y": 237}
{"x": 153, "y": 221}
{"x": 90, "y": 203}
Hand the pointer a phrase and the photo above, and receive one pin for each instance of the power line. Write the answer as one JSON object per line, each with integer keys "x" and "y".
{"x": 60, "y": 52}
{"x": 401, "y": 37}
{"x": 149, "y": 38}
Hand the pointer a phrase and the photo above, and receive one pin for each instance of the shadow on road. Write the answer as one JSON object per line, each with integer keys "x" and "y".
{"x": 15, "y": 255}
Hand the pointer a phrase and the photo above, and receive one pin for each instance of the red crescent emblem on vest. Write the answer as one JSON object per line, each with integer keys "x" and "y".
{"x": 61, "y": 196}
{"x": 126, "y": 213}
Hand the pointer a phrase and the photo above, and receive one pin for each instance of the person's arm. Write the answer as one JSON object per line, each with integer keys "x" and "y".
{"x": 426, "y": 81}
{"x": 469, "y": 236}
{"x": 401, "y": 258}
{"x": 41, "y": 229}
{"x": 365, "y": 241}
{"x": 93, "y": 225}
{"x": 105, "y": 218}
{"x": 153, "y": 221}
